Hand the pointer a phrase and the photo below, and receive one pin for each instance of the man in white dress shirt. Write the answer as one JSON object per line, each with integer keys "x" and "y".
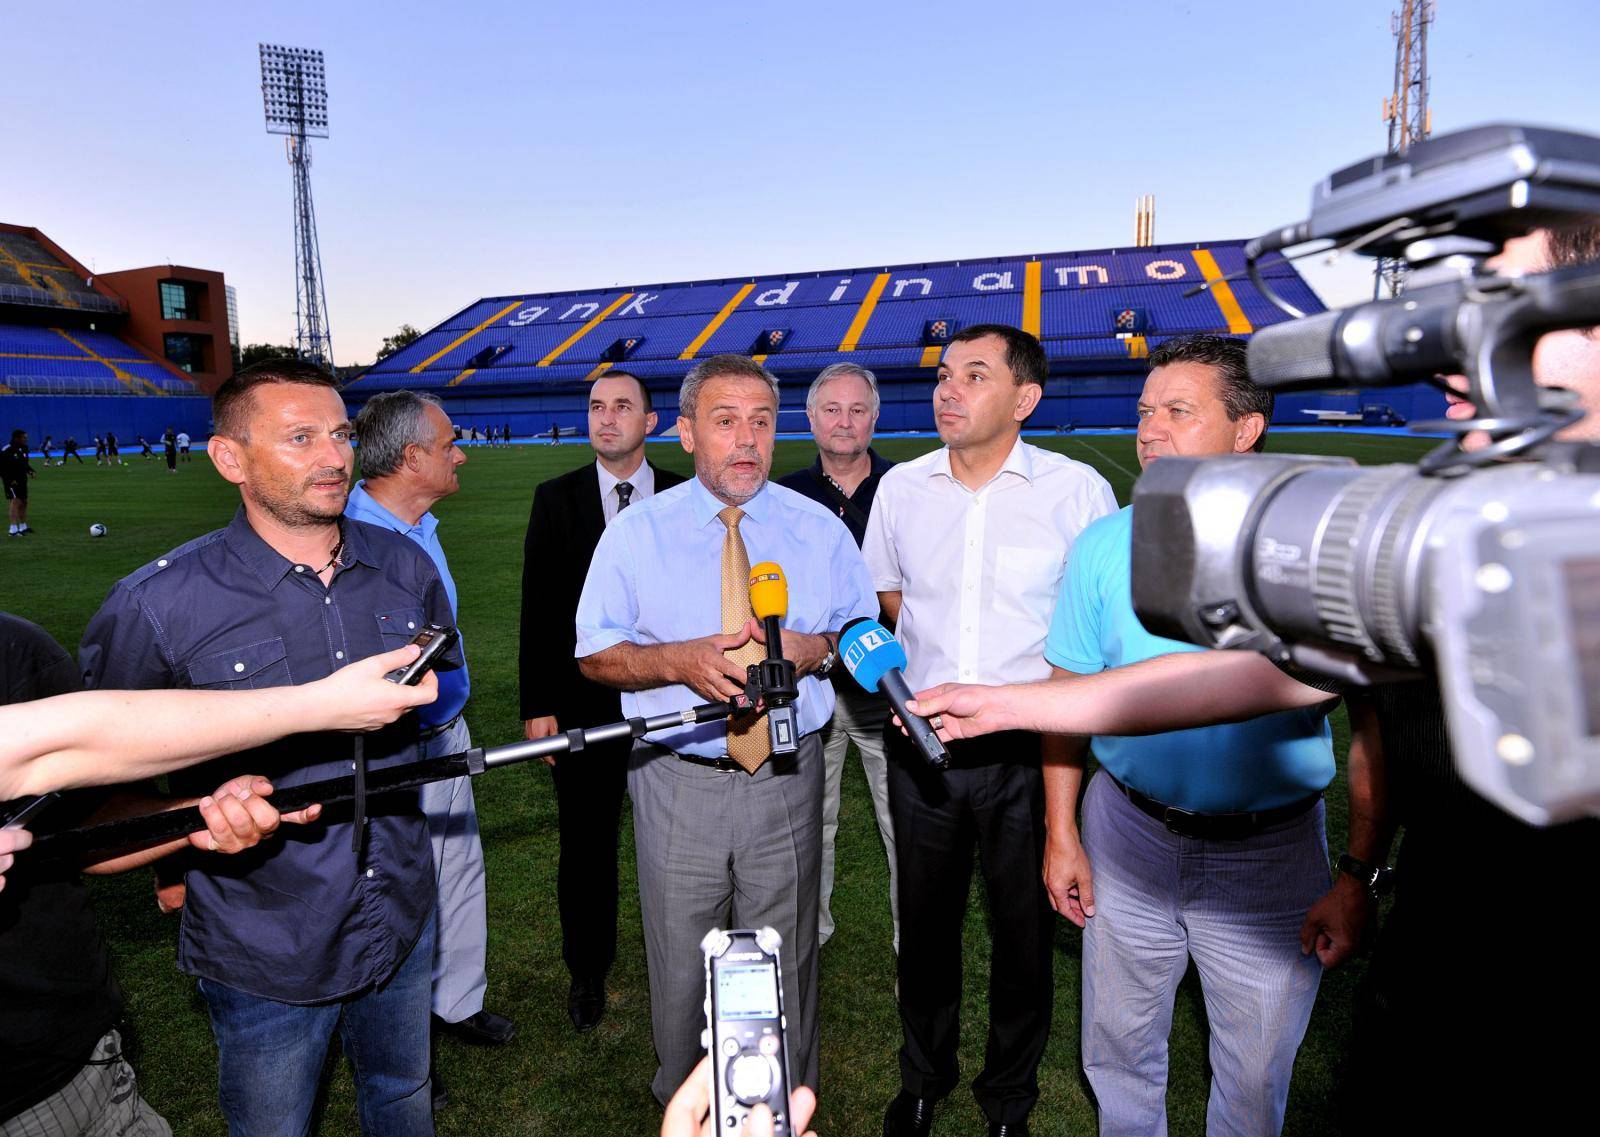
{"x": 966, "y": 547}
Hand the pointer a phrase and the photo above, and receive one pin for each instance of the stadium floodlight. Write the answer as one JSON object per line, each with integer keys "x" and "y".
{"x": 294, "y": 90}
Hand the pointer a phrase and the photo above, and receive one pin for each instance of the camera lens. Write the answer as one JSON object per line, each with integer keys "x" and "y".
{"x": 1336, "y": 555}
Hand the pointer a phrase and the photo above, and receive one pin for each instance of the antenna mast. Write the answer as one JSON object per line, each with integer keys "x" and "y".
{"x": 1406, "y": 109}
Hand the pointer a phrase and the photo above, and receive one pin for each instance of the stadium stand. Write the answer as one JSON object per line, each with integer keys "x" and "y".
{"x": 876, "y": 316}
{"x": 68, "y": 357}
{"x": 37, "y": 361}
{"x": 1097, "y": 312}
{"x": 31, "y": 274}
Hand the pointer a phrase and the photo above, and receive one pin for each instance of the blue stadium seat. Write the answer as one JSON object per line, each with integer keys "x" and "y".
{"x": 1070, "y": 298}
{"x": 44, "y": 360}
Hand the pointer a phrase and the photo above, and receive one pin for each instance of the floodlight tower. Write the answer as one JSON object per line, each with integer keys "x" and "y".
{"x": 294, "y": 89}
{"x": 1406, "y": 109}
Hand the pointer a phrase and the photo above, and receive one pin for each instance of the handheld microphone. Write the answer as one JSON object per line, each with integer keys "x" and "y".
{"x": 875, "y": 660}
{"x": 769, "y": 600}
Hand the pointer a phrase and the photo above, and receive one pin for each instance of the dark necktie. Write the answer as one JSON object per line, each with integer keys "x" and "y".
{"x": 624, "y": 495}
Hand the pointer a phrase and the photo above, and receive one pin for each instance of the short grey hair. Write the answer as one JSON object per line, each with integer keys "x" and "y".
{"x": 387, "y": 425}
{"x": 835, "y": 371}
{"x": 721, "y": 367}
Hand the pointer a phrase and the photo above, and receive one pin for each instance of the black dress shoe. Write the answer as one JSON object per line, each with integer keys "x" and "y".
{"x": 586, "y": 1004}
{"x": 483, "y": 1029}
{"x": 908, "y": 1116}
{"x": 1008, "y": 1129}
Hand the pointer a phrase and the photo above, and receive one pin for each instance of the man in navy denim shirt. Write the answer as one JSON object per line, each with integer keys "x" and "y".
{"x": 293, "y": 940}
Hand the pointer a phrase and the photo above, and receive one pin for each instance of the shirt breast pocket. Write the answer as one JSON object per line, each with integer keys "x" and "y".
{"x": 264, "y": 664}
{"x": 1026, "y": 579}
{"x": 400, "y": 626}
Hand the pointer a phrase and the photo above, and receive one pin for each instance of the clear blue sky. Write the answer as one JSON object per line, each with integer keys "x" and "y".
{"x": 481, "y": 149}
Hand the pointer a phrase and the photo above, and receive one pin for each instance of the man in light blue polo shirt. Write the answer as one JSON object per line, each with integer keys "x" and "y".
{"x": 409, "y": 461}
{"x": 727, "y": 834}
{"x": 1203, "y": 844}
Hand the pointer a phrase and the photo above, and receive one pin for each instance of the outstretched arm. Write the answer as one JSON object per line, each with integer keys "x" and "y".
{"x": 101, "y": 737}
{"x": 1170, "y": 692}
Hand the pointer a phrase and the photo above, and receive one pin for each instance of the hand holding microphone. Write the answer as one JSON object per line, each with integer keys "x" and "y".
{"x": 967, "y": 710}
{"x": 875, "y": 660}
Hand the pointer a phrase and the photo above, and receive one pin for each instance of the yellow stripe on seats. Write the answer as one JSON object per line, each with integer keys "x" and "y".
{"x": 717, "y": 321}
{"x": 605, "y": 365}
{"x": 19, "y": 266}
{"x": 1222, "y": 293}
{"x": 1030, "y": 297}
{"x": 1138, "y": 347}
{"x": 462, "y": 377}
{"x": 930, "y": 355}
{"x": 758, "y": 359}
{"x": 858, "y": 325}
{"x": 585, "y": 330}
{"x": 461, "y": 339}
{"x": 135, "y": 382}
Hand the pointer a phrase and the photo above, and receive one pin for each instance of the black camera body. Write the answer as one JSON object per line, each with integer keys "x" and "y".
{"x": 1481, "y": 565}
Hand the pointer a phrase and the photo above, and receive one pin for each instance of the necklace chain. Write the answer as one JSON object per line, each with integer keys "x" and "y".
{"x": 332, "y": 559}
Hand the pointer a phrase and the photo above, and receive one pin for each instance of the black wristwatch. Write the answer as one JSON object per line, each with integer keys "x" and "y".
{"x": 1377, "y": 880}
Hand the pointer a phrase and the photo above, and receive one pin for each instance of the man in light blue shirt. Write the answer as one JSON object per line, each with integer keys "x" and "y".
{"x": 1203, "y": 844}
{"x": 727, "y": 835}
{"x": 409, "y": 461}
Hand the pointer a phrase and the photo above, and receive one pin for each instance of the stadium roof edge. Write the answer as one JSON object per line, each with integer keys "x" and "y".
{"x": 956, "y": 263}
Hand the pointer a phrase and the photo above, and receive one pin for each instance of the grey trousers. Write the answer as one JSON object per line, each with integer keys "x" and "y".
{"x": 857, "y": 717}
{"x": 102, "y": 1101}
{"x": 1235, "y": 908}
{"x": 460, "y": 973}
{"x": 730, "y": 850}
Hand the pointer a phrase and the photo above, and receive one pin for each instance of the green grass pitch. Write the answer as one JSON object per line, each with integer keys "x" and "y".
{"x": 551, "y": 1081}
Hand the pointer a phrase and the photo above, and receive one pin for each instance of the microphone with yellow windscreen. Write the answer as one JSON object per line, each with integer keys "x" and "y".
{"x": 769, "y": 592}
{"x": 769, "y": 600}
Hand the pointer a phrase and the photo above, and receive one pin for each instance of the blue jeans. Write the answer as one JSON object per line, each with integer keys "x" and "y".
{"x": 1235, "y": 908}
{"x": 270, "y": 1054}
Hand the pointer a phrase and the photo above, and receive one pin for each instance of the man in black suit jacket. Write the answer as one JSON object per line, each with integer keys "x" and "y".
{"x": 569, "y": 514}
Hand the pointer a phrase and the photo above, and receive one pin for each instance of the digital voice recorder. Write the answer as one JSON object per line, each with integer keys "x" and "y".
{"x": 744, "y": 1028}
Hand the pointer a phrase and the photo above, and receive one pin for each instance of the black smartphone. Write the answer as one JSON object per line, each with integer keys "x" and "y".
{"x": 433, "y": 639}
{"x": 30, "y": 810}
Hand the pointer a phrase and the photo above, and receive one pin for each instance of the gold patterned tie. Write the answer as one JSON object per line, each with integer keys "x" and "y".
{"x": 748, "y": 741}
